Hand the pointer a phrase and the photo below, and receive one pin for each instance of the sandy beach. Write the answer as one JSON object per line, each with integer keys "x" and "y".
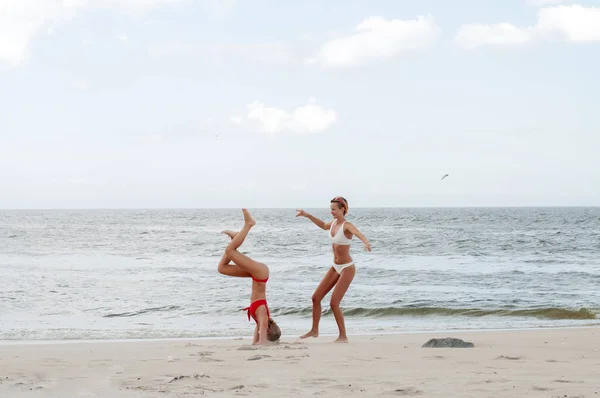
{"x": 532, "y": 363}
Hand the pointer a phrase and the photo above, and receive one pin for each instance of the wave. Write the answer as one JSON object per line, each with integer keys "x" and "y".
{"x": 144, "y": 311}
{"x": 545, "y": 313}
{"x": 552, "y": 313}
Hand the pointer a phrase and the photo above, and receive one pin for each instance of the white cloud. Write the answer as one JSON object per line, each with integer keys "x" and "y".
{"x": 471, "y": 36}
{"x": 306, "y": 119}
{"x": 377, "y": 38}
{"x": 573, "y": 23}
{"x": 21, "y": 20}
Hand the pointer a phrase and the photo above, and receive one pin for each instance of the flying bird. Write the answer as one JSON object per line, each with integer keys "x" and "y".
{"x": 445, "y": 175}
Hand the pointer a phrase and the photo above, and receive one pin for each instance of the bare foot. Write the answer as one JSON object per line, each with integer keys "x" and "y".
{"x": 341, "y": 340}
{"x": 229, "y": 233}
{"x": 310, "y": 334}
{"x": 248, "y": 220}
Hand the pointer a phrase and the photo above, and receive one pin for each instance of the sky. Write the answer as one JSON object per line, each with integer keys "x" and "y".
{"x": 256, "y": 103}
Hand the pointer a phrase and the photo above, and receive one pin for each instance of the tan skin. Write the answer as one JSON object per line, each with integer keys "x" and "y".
{"x": 341, "y": 255}
{"x": 234, "y": 263}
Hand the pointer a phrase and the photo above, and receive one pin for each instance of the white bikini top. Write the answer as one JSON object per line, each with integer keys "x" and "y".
{"x": 340, "y": 237}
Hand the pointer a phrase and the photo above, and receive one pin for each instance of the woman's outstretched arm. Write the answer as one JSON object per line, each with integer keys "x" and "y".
{"x": 359, "y": 235}
{"x": 318, "y": 222}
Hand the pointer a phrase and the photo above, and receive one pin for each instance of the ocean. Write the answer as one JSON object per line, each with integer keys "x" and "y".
{"x": 152, "y": 274}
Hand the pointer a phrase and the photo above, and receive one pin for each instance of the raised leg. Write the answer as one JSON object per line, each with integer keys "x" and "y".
{"x": 344, "y": 282}
{"x": 254, "y": 268}
{"x": 225, "y": 267}
{"x": 327, "y": 283}
{"x": 238, "y": 239}
{"x": 229, "y": 233}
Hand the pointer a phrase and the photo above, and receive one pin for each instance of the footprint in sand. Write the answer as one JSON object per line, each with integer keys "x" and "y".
{"x": 567, "y": 381}
{"x": 320, "y": 380}
{"x": 53, "y": 360}
{"x": 202, "y": 353}
{"x": 257, "y": 357}
{"x": 410, "y": 391}
{"x": 176, "y": 378}
{"x": 536, "y": 388}
{"x": 247, "y": 348}
{"x": 208, "y": 359}
{"x": 509, "y": 358}
{"x": 205, "y": 356}
{"x": 289, "y": 347}
{"x": 292, "y": 359}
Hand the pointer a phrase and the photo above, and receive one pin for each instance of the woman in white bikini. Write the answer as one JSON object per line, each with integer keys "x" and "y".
{"x": 342, "y": 270}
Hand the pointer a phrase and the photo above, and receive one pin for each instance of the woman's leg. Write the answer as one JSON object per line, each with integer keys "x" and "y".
{"x": 254, "y": 268}
{"x": 328, "y": 282}
{"x": 344, "y": 282}
{"x": 225, "y": 267}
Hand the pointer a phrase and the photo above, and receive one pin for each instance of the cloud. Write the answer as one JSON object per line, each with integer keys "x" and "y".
{"x": 573, "y": 23}
{"x": 21, "y": 20}
{"x": 476, "y": 35}
{"x": 377, "y": 38}
{"x": 307, "y": 119}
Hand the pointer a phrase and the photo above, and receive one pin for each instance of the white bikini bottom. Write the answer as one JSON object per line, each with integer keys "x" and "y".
{"x": 340, "y": 267}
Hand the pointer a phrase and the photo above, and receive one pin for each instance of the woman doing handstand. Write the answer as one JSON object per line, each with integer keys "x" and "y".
{"x": 234, "y": 263}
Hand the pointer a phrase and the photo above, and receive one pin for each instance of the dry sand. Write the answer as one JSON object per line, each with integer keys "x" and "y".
{"x": 541, "y": 363}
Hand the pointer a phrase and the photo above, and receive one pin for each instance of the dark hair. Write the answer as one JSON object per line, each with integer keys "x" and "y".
{"x": 273, "y": 332}
{"x": 343, "y": 203}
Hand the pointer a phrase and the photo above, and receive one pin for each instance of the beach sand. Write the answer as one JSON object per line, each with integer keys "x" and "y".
{"x": 522, "y": 363}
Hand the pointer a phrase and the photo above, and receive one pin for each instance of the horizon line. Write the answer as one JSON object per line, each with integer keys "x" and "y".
{"x": 295, "y": 207}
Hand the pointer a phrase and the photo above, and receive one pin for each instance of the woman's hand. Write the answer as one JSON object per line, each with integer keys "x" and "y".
{"x": 301, "y": 213}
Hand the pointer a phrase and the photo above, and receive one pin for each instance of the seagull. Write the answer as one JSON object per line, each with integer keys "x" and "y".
{"x": 446, "y": 175}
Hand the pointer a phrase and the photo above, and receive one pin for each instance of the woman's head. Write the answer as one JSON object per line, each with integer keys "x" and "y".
{"x": 273, "y": 331}
{"x": 339, "y": 204}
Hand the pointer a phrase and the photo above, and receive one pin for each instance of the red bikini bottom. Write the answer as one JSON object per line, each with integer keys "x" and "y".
{"x": 254, "y": 306}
